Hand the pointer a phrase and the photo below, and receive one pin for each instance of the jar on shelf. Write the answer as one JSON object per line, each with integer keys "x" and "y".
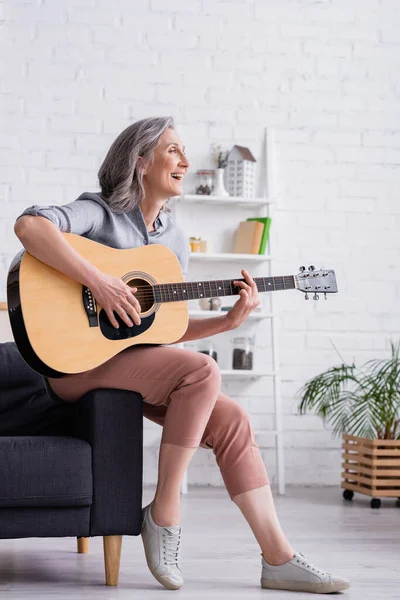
{"x": 210, "y": 303}
{"x": 208, "y": 348}
{"x": 195, "y": 243}
{"x": 204, "y": 180}
{"x": 243, "y": 351}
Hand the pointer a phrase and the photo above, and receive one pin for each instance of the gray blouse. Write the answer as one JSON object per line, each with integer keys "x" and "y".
{"x": 90, "y": 216}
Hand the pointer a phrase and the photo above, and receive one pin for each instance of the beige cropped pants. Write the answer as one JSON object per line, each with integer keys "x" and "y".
{"x": 181, "y": 392}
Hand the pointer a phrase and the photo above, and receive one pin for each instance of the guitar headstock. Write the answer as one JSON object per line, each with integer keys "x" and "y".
{"x": 316, "y": 282}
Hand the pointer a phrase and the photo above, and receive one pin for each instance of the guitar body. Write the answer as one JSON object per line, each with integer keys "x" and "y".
{"x": 54, "y": 322}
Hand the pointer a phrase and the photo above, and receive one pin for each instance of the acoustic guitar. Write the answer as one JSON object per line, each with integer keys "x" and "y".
{"x": 59, "y": 328}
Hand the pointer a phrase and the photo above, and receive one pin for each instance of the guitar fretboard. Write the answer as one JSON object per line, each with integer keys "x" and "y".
{"x": 191, "y": 290}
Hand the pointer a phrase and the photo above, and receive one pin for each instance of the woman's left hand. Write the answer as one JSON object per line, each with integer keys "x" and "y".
{"x": 247, "y": 302}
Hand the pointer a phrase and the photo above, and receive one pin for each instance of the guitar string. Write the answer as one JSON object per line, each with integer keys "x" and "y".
{"x": 216, "y": 281}
{"x": 226, "y": 282}
{"x": 149, "y": 293}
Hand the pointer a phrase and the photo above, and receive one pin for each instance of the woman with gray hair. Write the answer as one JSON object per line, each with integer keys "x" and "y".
{"x": 180, "y": 388}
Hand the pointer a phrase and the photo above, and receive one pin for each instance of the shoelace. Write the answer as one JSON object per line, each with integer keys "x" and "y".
{"x": 311, "y": 566}
{"x": 171, "y": 544}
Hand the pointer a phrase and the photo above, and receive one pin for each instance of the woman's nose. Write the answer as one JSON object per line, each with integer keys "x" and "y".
{"x": 184, "y": 162}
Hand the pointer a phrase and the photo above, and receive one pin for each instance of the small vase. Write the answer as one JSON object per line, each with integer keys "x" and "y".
{"x": 219, "y": 188}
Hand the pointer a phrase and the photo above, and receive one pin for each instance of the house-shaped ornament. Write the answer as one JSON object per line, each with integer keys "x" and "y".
{"x": 240, "y": 172}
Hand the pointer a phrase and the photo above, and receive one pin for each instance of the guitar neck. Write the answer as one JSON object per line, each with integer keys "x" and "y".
{"x": 192, "y": 290}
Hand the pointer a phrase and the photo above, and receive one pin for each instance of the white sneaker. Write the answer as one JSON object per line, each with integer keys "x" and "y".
{"x": 300, "y": 576}
{"x": 161, "y": 547}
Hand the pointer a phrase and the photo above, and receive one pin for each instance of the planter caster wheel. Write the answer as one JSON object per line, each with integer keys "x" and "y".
{"x": 348, "y": 494}
{"x": 375, "y": 503}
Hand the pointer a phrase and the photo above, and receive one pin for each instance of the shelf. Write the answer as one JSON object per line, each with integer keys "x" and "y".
{"x": 244, "y": 374}
{"x": 229, "y": 256}
{"x": 218, "y": 313}
{"x": 239, "y": 200}
{"x": 264, "y": 431}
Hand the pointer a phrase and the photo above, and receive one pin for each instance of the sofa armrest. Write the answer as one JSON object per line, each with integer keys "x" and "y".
{"x": 111, "y": 421}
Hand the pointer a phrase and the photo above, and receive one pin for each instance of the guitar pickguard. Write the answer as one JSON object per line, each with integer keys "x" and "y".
{"x": 123, "y": 332}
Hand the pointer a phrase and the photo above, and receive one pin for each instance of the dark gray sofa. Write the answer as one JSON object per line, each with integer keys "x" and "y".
{"x": 68, "y": 469}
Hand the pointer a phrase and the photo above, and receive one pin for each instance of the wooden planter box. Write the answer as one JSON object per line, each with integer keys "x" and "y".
{"x": 371, "y": 467}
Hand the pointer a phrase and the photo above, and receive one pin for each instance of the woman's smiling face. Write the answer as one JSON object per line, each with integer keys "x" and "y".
{"x": 165, "y": 175}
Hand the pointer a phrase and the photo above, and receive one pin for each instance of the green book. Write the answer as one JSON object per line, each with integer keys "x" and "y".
{"x": 265, "y": 235}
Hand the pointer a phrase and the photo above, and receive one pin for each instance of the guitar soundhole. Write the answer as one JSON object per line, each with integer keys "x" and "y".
{"x": 144, "y": 293}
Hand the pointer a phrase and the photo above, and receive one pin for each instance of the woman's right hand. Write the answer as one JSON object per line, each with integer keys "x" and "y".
{"x": 115, "y": 295}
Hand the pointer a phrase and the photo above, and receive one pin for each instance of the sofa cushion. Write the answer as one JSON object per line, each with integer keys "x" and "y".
{"x": 45, "y": 471}
{"x": 14, "y": 371}
{"x": 18, "y": 382}
{"x": 36, "y": 414}
{"x": 25, "y": 407}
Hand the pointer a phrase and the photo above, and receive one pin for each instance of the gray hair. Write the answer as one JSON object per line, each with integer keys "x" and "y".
{"x": 120, "y": 175}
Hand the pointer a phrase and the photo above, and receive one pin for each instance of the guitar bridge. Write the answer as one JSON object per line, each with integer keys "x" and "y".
{"x": 89, "y": 304}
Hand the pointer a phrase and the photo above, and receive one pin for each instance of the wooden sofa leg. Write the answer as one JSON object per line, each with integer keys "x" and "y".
{"x": 83, "y": 545}
{"x": 112, "y": 555}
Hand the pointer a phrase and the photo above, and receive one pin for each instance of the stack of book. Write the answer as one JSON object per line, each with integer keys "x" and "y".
{"x": 252, "y": 236}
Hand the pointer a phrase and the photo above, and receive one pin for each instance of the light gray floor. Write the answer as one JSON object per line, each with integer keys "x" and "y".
{"x": 221, "y": 559}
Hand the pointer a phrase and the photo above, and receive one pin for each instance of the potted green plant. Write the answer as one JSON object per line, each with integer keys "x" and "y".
{"x": 363, "y": 405}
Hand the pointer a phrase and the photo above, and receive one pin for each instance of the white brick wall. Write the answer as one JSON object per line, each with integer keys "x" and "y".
{"x": 323, "y": 75}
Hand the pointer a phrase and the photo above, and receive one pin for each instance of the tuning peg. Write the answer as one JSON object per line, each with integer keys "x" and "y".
{"x": 306, "y": 296}
{"x": 311, "y": 268}
{"x": 315, "y": 297}
{"x": 302, "y": 269}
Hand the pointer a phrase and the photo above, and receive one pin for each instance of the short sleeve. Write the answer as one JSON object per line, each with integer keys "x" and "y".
{"x": 80, "y": 217}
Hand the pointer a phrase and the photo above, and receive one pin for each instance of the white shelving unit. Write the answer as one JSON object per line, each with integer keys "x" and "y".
{"x": 263, "y": 207}
{"x": 219, "y": 256}
{"x": 238, "y": 200}
{"x": 238, "y": 374}
{"x": 204, "y": 314}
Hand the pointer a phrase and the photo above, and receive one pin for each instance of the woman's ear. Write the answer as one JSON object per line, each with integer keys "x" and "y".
{"x": 140, "y": 165}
